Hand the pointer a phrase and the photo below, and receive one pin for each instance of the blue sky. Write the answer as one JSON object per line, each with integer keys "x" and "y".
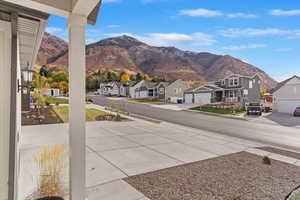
{"x": 265, "y": 33}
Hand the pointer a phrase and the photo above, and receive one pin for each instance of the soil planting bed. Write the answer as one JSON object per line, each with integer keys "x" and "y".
{"x": 46, "y": 116}
{"x": 240, "y": 176}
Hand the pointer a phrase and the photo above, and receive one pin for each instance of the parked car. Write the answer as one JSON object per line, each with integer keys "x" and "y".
{"x": 254, "y": 109}
{"x": 297, "y": 112}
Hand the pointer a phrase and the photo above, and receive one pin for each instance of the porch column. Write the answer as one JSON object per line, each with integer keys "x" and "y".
{"x": 77, "y": 105}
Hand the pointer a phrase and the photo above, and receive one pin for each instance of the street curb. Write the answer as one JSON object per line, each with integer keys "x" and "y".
{"x": 217, "y": 115}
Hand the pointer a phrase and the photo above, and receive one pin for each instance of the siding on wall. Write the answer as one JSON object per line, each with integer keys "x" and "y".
{"x": 5, "y": 56}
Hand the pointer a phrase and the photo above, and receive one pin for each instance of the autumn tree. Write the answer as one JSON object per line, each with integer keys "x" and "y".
{"x": 147, "y": 77}
{"x": 125, "y": 78}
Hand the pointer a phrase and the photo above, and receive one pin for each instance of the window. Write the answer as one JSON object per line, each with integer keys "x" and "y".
{"x": 234, "y": 82}
{"x": 245, "y": 92}
{"x": 250, "y": 84}
{"x": 223, "y": 82}
{"x": 161, "y": 90}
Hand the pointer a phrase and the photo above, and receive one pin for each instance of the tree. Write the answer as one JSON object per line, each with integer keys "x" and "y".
{"x": 39, "y": 82}
{"x": 147, "y": 78}
{"x": 64, "y": 87}
{"x": 125, "y": 78}
{"x": 54, "y": 85}
{"x": 138, "y": 77}
{"x": 263, "y": 91}
{"x": 61, "y": 76}
{"x": 132, "y": 77}
{"x": 44, "y": 72}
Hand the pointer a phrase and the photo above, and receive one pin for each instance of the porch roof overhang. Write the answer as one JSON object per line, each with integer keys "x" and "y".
{"x": 64, "y": 8}
{"x": 30, "y": 28}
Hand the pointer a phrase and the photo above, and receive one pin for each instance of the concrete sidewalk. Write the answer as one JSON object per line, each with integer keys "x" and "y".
{"x": 116, "y": 150}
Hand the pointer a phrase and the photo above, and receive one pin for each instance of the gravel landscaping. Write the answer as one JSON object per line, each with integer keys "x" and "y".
{"x": 240, "y": 176}
{"x": 281, "y": 152}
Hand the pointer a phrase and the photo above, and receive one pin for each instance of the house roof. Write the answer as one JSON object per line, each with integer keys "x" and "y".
{"x": 279, "y": 85}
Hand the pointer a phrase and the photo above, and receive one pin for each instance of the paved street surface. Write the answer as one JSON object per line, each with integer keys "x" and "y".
{"x": 116, "y": 150}
{"x": 277, "y": 135}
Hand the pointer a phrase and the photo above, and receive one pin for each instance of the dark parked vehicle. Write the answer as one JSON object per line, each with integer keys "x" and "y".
{"x": 254, "y": 109}
{"x": 297, "y": 112}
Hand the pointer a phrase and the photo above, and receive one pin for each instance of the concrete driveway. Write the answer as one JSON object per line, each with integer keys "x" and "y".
{"x": 116, "y": 150}
{"x": 176, "y": 107}
{"x": 276, "y": 118}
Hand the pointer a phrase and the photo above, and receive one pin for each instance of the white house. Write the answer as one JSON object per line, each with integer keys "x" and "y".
{"x": 286, "y": 96}
{"x": 22, "y": 25}
{"x": 51, "y": 92}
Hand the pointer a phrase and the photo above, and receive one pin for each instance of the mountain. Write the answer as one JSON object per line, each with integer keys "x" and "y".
{"x": 127, "y": 54}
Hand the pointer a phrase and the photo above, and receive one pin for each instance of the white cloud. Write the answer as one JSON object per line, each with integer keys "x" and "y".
{"x": 171, "y": 39}
{"x": 54, "y": 30}
{"x": 250, "y": 32}
{"x": 278, "y": 12}
{"x": 201, "y": 13}
{"x": 242, "y": 15}
{"x": 242, "y": 47}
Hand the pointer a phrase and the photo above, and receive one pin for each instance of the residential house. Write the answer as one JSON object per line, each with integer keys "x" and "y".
{"x": 106, "y": 88}
{"x": 22, "y": 25}
{"x": 236, "y": 89}
{"x": 51, "y": 92}
{"x": 286, "y": 96}
{"x": 171, "y": 91}
{"x": 146, "y": 90}
{"x": 132, "y": 86}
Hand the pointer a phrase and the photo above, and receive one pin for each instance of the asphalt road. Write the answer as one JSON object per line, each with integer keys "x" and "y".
{"x": 282, "y": 136}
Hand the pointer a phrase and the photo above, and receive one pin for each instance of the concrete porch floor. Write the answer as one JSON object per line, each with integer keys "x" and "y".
{"x": 116, "y": 150}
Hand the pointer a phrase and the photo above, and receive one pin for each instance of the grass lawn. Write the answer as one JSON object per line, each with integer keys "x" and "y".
{"x": 91, "y": 113}
{"x": 54, "y": 100}
{"x": 219, "y": 110}
{"x": 153, "y": 101}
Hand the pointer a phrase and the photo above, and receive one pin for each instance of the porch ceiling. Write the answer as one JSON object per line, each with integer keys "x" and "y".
{"x": 64, "y": 8}
{"x": 30, "y": 35}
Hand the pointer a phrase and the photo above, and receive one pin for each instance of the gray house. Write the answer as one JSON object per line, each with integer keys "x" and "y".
{"x": 171, "y": 91}
{"x": 232, "y": 89}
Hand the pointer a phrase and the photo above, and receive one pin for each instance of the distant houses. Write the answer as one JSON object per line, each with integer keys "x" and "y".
{"x": 234, "y": 89}
{"x": 171, "y": 91}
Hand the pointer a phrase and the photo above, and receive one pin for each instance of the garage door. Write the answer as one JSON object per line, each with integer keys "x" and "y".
{"x": 188, "y": 98}
{"x": 287, "y": 106}
{"x": 203, "y": 98}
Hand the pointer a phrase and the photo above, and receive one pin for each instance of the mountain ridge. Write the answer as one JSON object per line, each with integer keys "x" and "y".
{"x": 125, "y": 53}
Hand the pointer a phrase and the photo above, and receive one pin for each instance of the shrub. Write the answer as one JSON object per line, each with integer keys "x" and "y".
{"x": 118, "y": 117}
{"x": 51, "y": 162}
{"x": 266, "y": 160}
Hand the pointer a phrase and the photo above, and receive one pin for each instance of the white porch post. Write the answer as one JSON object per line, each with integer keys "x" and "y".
{"x": 77, "y": 105}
